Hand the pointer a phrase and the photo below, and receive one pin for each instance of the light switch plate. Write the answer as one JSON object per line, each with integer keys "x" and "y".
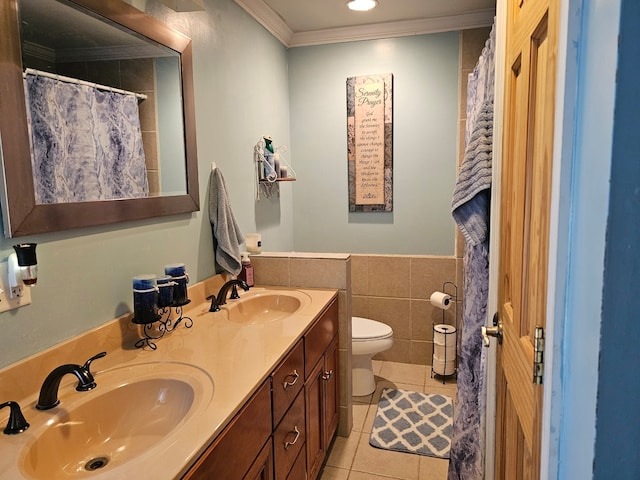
{"x": 7, "y": 303}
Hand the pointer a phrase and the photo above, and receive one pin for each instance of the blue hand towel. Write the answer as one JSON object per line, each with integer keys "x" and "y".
{"x": 226, "y": 233}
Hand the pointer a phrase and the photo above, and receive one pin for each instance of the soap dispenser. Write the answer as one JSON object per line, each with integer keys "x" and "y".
{"x": 246, "y": 273}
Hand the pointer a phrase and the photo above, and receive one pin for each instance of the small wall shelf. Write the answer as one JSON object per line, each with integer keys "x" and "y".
{"x": 288, "y": 179}
{"x": 271, "y": 167}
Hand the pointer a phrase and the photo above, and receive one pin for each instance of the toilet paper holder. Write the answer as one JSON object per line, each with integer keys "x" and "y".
{"x": 449, "y": 365}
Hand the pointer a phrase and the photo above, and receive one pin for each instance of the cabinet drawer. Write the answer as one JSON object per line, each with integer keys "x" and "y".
{"x": 288, "y": 438}
{"x": 234, "y": 451}
{"x": 287, "y": 381}
{"x": 299, "y": 469}
{"x": 319, "y": 336}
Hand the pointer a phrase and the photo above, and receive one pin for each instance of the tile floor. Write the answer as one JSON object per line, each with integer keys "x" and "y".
{"x": 353, "y": 458}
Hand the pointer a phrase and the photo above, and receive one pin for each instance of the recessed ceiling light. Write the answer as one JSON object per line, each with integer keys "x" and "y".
{"x": 362, "y": 5}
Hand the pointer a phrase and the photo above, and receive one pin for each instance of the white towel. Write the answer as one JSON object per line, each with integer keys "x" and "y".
{"x": 226, "y": 233}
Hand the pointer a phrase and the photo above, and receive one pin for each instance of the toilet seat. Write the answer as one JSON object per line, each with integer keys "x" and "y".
{"x": 366, "y": 330}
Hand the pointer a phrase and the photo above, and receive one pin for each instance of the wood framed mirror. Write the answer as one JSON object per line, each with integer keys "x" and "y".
{"x": 22, "y": 213}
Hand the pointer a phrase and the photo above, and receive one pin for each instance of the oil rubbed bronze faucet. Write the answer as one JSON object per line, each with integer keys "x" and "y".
{"x": 221, "y": 298}
{"x": 17, "y": 423}
{"x": 49, "y": 391}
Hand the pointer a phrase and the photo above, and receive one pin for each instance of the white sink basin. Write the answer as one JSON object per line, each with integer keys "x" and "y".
{"x": 266, "y": 306}
{"x": 132, "y": 411}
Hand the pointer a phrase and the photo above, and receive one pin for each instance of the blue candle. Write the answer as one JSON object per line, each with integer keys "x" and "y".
{"x": 145, "y": 299}
{"x": 181, "y": 278}
{"x": 165, "y": 287}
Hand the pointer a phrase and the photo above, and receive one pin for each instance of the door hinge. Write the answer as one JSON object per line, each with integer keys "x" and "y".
{"x": 538, "y": 356}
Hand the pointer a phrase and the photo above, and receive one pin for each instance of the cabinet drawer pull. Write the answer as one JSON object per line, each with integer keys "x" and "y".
{"x": 295, "y": 376}
{"x": 290, "y": 444}
{"x": 327, "y": 375}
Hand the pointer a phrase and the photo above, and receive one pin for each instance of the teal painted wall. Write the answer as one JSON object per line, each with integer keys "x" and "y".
{"x": 241, "y": 92}
{"x": 425, "y": 78}
{"x": 245, "y": 82}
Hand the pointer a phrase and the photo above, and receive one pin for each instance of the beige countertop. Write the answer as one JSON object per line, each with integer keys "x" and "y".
{"x": 235, "y": 357}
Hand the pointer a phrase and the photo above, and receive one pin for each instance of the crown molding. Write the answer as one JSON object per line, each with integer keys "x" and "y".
{"x": 270, "y": 20}
{"x": 38, "y": 51}
{"x": 423, "y": 26}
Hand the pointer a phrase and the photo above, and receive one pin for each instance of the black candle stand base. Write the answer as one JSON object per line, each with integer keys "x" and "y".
{"x": 168, "y": 320}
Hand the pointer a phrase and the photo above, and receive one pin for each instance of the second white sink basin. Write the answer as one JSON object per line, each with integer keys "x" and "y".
{"x": 266, "y": 306}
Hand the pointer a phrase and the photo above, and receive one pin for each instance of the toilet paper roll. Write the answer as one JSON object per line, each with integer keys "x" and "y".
{"x": 444, "y": 352}
{"x": 440, "y": 300}
{"x": 444, "y": 368}
{"x": 444, "y": 334}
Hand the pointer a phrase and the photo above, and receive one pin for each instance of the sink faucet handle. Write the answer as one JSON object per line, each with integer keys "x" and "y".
{"x": 17, "y": 423}
{"x": 87, "y": 364}
{"x": 214, "y": 303}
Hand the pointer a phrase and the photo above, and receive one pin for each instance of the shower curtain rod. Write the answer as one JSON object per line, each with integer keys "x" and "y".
{"x": 62, "y": 78}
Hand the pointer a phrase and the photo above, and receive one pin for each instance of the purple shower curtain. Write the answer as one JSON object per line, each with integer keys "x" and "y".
{"x": 470, "y": 210}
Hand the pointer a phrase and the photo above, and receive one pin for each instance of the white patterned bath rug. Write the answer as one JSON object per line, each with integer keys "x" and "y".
{"x": 413, "y": 422}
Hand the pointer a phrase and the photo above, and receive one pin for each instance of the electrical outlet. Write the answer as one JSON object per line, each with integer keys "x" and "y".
{"x": 16, "y": 299}
{"x": 16, "y": 291}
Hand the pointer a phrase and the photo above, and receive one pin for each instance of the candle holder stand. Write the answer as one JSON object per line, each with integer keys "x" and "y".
{"x": 168, "y": 319}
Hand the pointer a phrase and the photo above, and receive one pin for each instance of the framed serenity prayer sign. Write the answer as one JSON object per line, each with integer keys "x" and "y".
{"x": 370, "y": 142}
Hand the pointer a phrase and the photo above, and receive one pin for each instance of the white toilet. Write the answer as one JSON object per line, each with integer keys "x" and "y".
{"x": 368, "y": 337}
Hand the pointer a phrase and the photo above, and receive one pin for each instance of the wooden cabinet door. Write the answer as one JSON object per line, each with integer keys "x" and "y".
{"x": 315, "y": 434}
{"x": 331, "y": 392}
{"x": 262, "y": 468}
{"x": 233, "y": 453}
{"x": 323, "y": 408}
{"x": 319, "y": 336}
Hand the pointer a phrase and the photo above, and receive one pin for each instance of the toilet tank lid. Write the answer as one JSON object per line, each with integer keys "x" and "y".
{"x": 367, "y": 328}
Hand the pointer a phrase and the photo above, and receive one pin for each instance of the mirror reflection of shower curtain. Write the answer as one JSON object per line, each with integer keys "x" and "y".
{"x": 86, "y": 143}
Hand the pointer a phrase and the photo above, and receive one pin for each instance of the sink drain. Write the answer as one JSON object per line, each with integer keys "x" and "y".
{"x": 96, "y": 463}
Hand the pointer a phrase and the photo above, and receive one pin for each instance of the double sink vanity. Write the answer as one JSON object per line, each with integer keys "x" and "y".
{"x": 249, "y": 392}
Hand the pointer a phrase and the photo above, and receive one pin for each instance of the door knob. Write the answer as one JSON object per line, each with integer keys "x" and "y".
{"x": 495, "y": 331}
